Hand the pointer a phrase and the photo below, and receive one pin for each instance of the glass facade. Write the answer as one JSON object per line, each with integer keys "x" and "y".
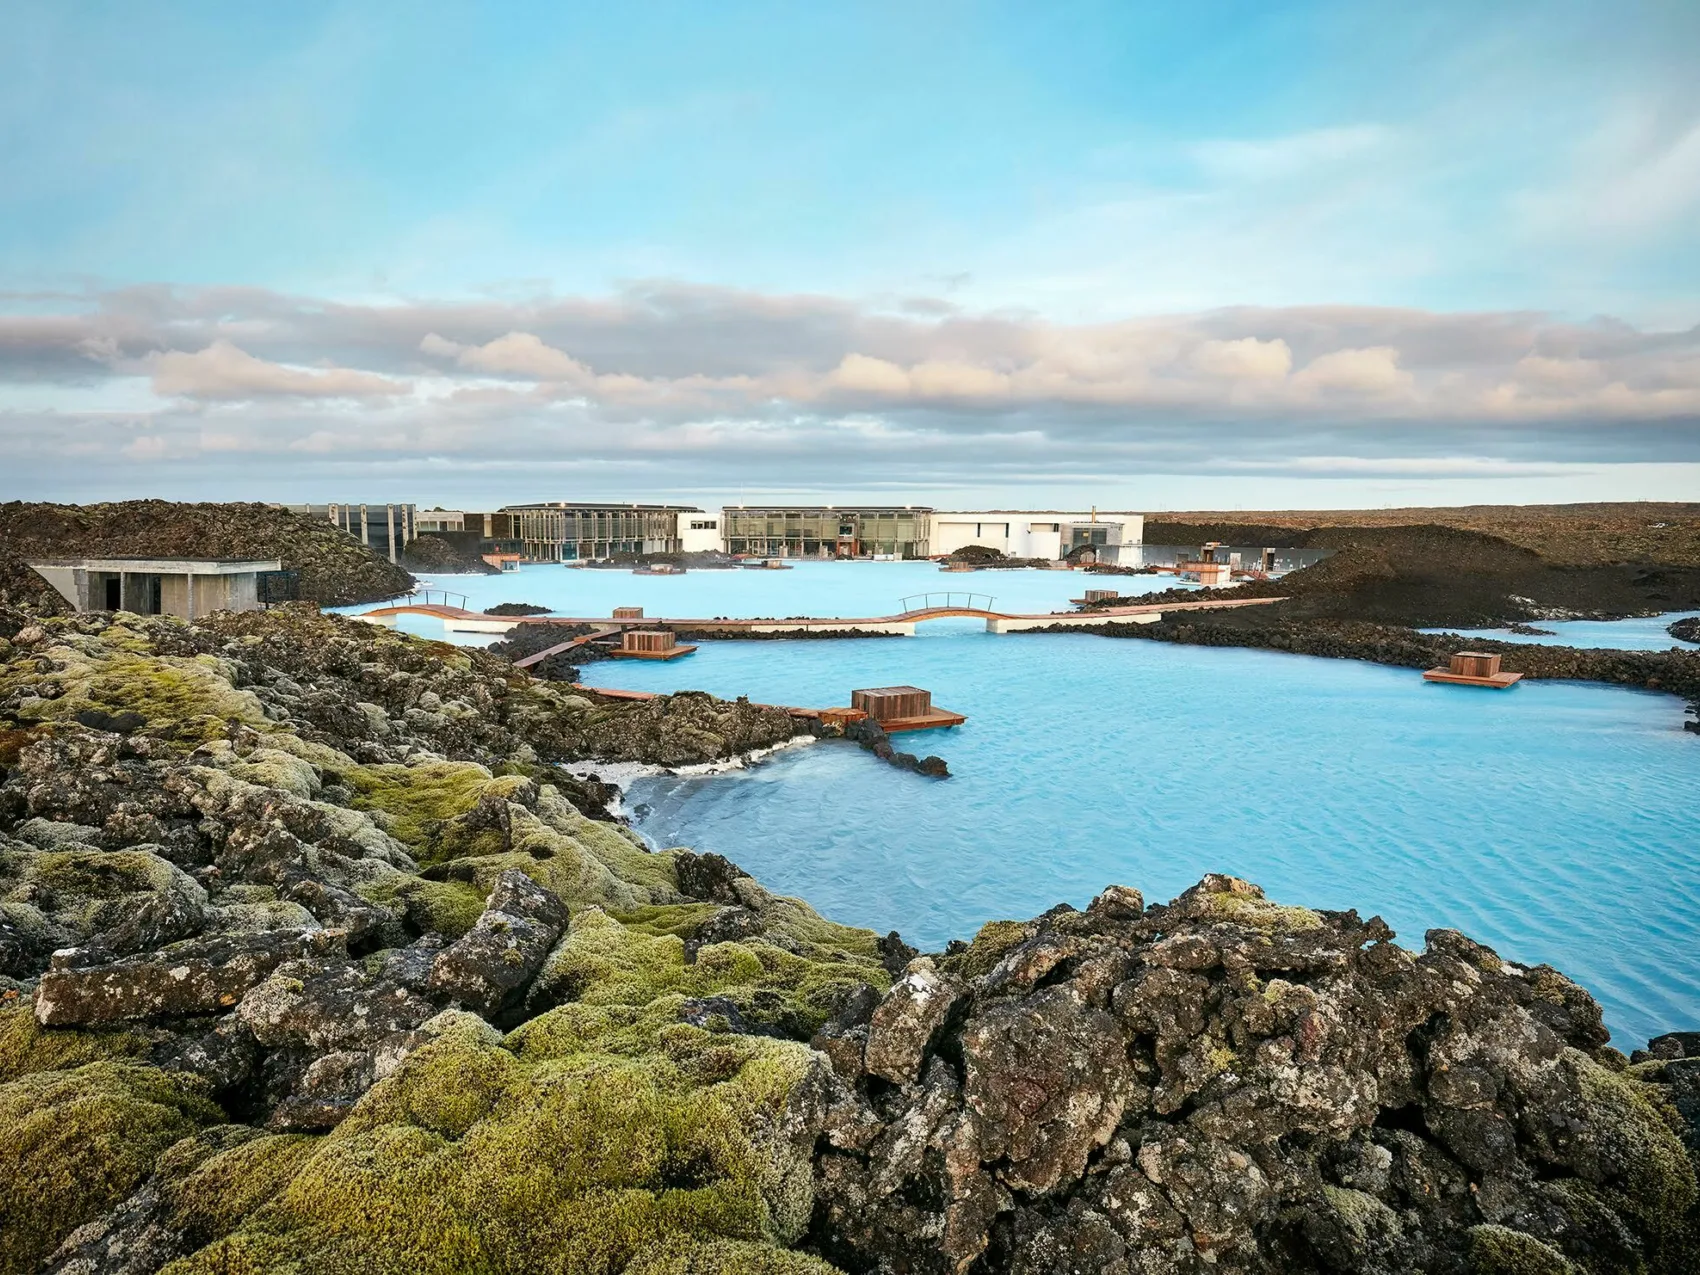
{"x": 564, "y": 532}
{"x": 819, "y": 531}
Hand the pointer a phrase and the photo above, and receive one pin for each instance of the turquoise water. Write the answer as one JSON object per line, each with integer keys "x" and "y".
{"x": 809, "y": 588}
{"x": 1555, "y": 821}
{"x": 1647, "y": 633}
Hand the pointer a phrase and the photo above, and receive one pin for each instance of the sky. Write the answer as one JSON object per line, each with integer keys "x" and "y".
{"x": 1139, "y": 255}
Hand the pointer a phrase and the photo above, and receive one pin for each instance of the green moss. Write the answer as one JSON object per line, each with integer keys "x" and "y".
{"x": 553, "y": 1156}
{"x": 215, "y": 1193}
{"x": 800, "y": 922}
{"x": 84, "y": 888}
{"x": 26, "y": 1047}
{"x": 193, "y": 695}
{"x": 1498, "y": 1250}
{"x": 1635, "y": 1144}
{"x": 449, "y": 908}
{"x": 681, "y": 920}
{"x": 602, "y": 962}
{"x": 276, "y": 768}
{"x": 993, "y": 940}
{"x": 727, "y": 1257}
{"x": 77, "y": 1142}
{"x": 416, "y": 798}
{"x": 1261, "y": 914}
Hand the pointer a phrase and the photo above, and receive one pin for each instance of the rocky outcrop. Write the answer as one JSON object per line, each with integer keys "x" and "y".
{"x": 493, "y": 961}
{"x": 873, "y": 738}
{"x": 197, "y": 976}
{"x": 324, "y": 965}
{"x": 359, "y": 688}
{"x": 1676, "y": 671}
{"x": 431, "y": 553}
{"x": 1223, "y": 1083}
{"x": 1687, "y": 630}
{"x": 336, "y": 569}
{"x": 240, "y": 937}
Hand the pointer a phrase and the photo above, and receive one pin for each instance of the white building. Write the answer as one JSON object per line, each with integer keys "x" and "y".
{"x": 1044, "y": 533}
{"x": 699, "y": 532}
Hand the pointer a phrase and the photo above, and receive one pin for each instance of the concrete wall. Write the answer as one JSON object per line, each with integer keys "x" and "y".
{"x": 701, "y": 533}
{"x": 1027, "y": 535}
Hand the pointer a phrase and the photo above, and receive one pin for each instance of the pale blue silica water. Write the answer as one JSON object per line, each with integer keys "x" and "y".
{"x": 1555, "y": 821}
{"x": 853, "y": 589}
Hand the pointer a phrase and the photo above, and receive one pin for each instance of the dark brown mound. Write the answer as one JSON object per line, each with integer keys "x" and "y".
{"x": 336, "y": 569}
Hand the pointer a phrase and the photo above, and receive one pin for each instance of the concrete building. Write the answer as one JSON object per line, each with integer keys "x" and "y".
{"x": 571, "y": 531}
{"x": 826, "y": 531}
{"x": 1043, "y": 533}
{"x": 700, "y": 532}
{"x": 385, "y": 529}
{"x": 184, "y": 587}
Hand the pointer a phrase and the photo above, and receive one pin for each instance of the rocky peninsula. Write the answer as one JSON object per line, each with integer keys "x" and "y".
{"x": 315, "y": 960}
{"x": 1383, "y": 584}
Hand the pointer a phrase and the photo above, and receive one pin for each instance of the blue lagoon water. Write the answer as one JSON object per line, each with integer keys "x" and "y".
{"x": 1555, "y": 821}
{"x": 809, "y": 588}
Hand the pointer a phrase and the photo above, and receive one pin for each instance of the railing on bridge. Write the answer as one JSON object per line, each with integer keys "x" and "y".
{"x": 946, "y": 601}
{"x": 438, "y": 598}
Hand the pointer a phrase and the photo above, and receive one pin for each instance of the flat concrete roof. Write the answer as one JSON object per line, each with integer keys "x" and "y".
{"x": 166, "y": 566}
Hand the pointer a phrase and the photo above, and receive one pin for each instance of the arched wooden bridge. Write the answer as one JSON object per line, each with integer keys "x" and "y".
{"x": 460, "y": 620}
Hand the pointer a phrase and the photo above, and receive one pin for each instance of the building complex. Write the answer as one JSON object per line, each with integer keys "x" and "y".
{"x": 826, "y": 531}
{"x": 583, "y": 531}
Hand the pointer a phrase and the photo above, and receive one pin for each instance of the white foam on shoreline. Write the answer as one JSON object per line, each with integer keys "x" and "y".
{"x": 621, "y": 774}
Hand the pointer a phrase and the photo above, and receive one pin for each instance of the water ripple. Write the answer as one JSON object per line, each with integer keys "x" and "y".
{"x": 1554, "y": 821}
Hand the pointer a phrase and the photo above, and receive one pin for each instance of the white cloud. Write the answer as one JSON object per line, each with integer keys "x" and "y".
{"x": 1369, "y": 373}
{"x": 1244, "y": 359}
{"x": 225, "y": 371}
{"x": 438, "y": 347}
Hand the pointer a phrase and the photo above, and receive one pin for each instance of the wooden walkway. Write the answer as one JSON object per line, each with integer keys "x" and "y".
{"x": 571, "y": 643}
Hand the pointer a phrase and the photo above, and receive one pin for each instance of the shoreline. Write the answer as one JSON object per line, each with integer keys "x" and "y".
{"x": 359, "y": 911}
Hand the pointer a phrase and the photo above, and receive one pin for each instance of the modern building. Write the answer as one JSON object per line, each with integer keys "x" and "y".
{"x": 826, "y": 531}
{"x": 184, "y": 587}
{"x": 568, "y": 531}
{"x": 1043, "y": 533}
{"x": 385, "y": 529}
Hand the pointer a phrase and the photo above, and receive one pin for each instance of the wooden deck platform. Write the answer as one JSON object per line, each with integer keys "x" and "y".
{"x": 1497, "y": 681}
{"x": 669, "y": 653}
{"x": 933, "y": 718}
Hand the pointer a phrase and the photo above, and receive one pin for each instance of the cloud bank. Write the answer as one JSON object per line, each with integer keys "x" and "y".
{"x": 810, "y": 390}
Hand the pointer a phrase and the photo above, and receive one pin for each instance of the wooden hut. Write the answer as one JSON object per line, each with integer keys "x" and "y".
{"x": 649, "y": 644}
{"x": 1473, "y": 668}
{"x": 901, "y": 708}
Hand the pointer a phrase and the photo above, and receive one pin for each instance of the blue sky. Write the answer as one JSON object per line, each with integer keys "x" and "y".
{"x": 727, "y": 202}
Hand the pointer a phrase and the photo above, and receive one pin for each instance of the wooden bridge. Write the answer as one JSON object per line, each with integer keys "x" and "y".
{"x": 903, "y": 623}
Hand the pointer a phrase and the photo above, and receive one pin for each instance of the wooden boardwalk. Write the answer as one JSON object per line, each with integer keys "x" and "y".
{"x": 460, "y": 620}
